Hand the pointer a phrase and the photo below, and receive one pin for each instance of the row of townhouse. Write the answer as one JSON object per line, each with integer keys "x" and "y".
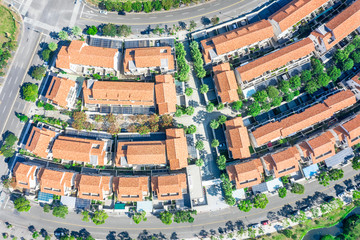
{"x": 286, "y": 161}
{"x": 48, "y": 144}
{"x": 80, "y": 58}
{"x": 250, "y": 73}
{"x": 32, "y": 178}
{"x": 98, "y": 94}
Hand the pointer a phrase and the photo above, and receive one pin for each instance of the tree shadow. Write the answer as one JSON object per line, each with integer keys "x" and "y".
{"x": 124, "y": 236}
{"x": 111, "y": 235}
{"x": 338, "y": 188}
{"x": 205, "y": 21}
{"x": 174, "y": 236}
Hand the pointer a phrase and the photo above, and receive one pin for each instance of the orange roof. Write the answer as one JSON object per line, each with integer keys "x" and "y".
{"x": 238, "y": 138}
{"x": 165, "y": 92}
{"x": 237, "y": 38}
{"x": 340, "y": 132}
{"x": 295, "y": 11}
{"x": 148, "y": 57}
{"x": 141, "y": 153}
{"x": 176, "y": 148}
{"x": 320, "y": 145}
{"x": 169, "y": 187}
{"x": 79, "y": 149}
{"x": 296, "y": 122}
{"x": 275, "y": 59}
{"x": 92, "y": 187}
{"x": 58, "y": 91}
{"x": 353, "y": 127}
{"x": 55, "y": 181}
{"x": 23, "y": 174}
{"x": 225, "y": 83}
{"x": 246, "y": 174}
{"x": 286, "y": 160}
{"x": 118, "y": 93}
{"x": 39, "y": 140}
{"x": 131, "y": 188}
{"x": 79, "y": 53}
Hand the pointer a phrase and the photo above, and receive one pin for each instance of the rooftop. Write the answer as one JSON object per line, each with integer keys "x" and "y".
{"x": 58, "y": 91}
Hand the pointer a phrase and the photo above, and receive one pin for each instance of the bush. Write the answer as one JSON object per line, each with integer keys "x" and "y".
{"x": 297, "y": 188}
{"x": 92, "y": 30}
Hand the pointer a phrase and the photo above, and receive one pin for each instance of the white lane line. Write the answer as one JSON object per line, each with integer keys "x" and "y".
{"x": 82, "y": 10}
{"x": 152, "y": 17}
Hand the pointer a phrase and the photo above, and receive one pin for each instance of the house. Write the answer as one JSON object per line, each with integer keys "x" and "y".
{"x": 140, "y": 153}
{"x": 303, "y": 120}
{"x": 246, "y": 174}
{"x": 25, "y": 176}
{"x": 176, "y": 148}
{"x": 236, "y": 41}
{"x": 354, "y": 85}
{"x": 97, "y": 94}
{"x": 81, "y": 58}
{"x": 319, "y": 148}
{"x": 237, "y": 138}
{"x": 329, "y": 34}
{"x": 225, "y": 83}
{"x": 39, "y": 141}
{"x": 169, "y": 187}
{"x": 165, "y": 92}
{"x": 283, "y": 163}
{"x": 289, "y": 17}
{"x": 131, "y": 188}
{"x": 62, "y": 92}
{"x": 93, "y": 187}
{"x": 280, "y": 58}
{"x": 142, "y": 60}
{"x": 94, "y": 152}
{"x": 352, "y": 131}
{"x": 58, "y": 182}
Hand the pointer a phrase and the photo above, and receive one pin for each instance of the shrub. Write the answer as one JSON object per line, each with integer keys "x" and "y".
{"x": 92, "y": 30}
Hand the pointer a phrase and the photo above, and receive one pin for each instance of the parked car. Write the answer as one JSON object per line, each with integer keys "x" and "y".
{"x": 254, "y": 225}
{"x": 265, "y": 222}
{"x": 103, "y": 12}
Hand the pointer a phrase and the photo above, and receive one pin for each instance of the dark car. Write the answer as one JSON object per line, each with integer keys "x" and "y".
{"x": 121, "y": 13}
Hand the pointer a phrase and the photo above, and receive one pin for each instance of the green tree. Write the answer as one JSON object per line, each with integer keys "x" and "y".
{"x": 323, "y": 80}
{"x": 8, "y": 149}
{"x": 47, "y": 208}
{"x": 22, "y": 117}
{"x": 29, "y": 92}
{"x": 266, "y": 106}
{"x": 214, "y": 124}
{"x": 245, "y": 205}
{"x": 327, "y": 237}
{"x": 356, "y": 163}
{"x": 282, "y": 192}
{"x": 221, "y": 162}
{"x": 297, "y": 188}
{"x": 260, "y": 201}
{"x": 295, "y": 82}
{"x": 306, "y": 76}
{"x": 38, "y": 72}
{"x": 289, "y": 97}
{"x": 287, "y": 233}
{"x": 143, "y": 130}
{"x": 254, "y": 109}
{"x": 188, "y": 91}
{"x": 336, "y": 174}
{"x": 317, "y": 66}
{"x": 166, "y": 217}
{"x": 99, "y": 217}
{"x": 285, "y": 86}
{"x": 35, "y": 234}
{"x": 179, "y": 112}
{"x": 60, "y": 211}
{"x": 76, "y": 31}
{"x": 334, "y": 73}
{"x": 63, "y": 35}
{"x": 237, "y": 105}
{"x": 222, "y": 119}
{"x": 220, "y": 106}
{"x": 167, "y": 4}
{"x": 356, "y": 41}
{"x": 204, "y": 88}
{"x": 272, "y": 92}
{"x": 210, "y": 107}
{"x": 355, "y": 56}
{"x": 356, "y": 195}
{"x": 192, "y": 25}
{"x": 92, "y": 30}
{"x": 52, "y": 46}
{"x": 157, "y": 5}
{"x": 85, "y": 216}
{"x": 147, "y": 6}
{"x": 215, "y": 20}
{"x": 277, "y": 101}
{"x": 127, "y": 6}
{"x": 339, "y": 56}
{"x": 311, "y": 87}
{"x": 349, "y": 49}
{"x": 137, "y": 6}
{"x": 191, "y": 129}
{"x": 109, "y": 30}
{"x": 139, "y": 216}
{"x": 45, "y": 55}
{"x": 323, "y": 178}
{"x": 199, "y": 162}
{"x": 347, "y": 65}
{"x": 124, "y": 31}
{"x": 21, "y": 204}
{"x": 214, "y": 143}
{"x": 285, "y": 179}
{"x": 260, "y": 96}
{"x": 199, "y": 145}
{"x": 189, "y": 110}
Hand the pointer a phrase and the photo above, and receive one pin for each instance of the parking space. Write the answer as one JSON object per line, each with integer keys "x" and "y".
{"x": 105, "y": 42}
{"x": 150, "y": 43}
{"x": 126, "y": 110}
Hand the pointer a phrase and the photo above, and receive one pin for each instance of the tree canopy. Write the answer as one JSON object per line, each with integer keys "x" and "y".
{"x": 30, "y": 92}
{"x": 21, "y": 204}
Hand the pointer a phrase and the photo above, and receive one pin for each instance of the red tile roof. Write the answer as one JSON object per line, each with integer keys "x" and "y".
{"x": 246, "y": 174}
{"x": 24, "y": 174}
{"x": 275, "y": 59}
{"x": 79, "y": 53}
{"x": 39, "y": 140}
{"x": 352, "y": 128}
{"x": 169, "y": 187}
{"x": 320, "y": 145}
{"x": 176, "y": 148}
{"x": 119, "y": 93}
{"x": 286, "y": 159}
{"x": 58, "y": 91}
{"x": 225, "y": 83}
{"x": 55, "y": 181}
{"x": 238, "y": 138}
{"x": 131, "y": 188}
{"x": 92, "y": 187}
{"x": 165, "y": 92}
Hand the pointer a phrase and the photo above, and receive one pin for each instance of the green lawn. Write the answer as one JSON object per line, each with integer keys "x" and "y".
{"x": 8, "y": 26}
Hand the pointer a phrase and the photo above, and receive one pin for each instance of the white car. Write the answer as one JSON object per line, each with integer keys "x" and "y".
{"x": 103, "y": 12}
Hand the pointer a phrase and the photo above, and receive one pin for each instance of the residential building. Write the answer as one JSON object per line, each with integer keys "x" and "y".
{"x": 25, "y": 176}
{"x": 93, "y": 187}
{"x": 277, "y": 60}
{"x": 246, "y": 174}
{"x": 289, "y": 18}
{"x": 165, "y": 92}
{"x": 81, "y": 58}
{"x": 225, "y": 83}
{"x": 98, "y": 94}
{"x": 81, "y": 150}
{"x": 302, "y": 120}
{"x": 169, "y": 187}
{"x": 329, "y": 34}
{"x": 352, "y": 131}
{"x": 237, "y": 42}
{"x": 237, "y": 138}
{"x": 176, "y": 148}
{"x": 142, "y": 60}
{"x": 140, "y": 153}
{"x": 62, "y": 92}
{"x": 282, "y": 163}
{"x": 354, "y": 85}
{"x": 39, "y": 141}
{"x": 131, "y": 188}
{"x": 58, "y": 182}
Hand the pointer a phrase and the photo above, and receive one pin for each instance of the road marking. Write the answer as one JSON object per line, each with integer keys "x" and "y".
{"x": 173, "y": 21}
{"x": 74, "y": 14}
{"x": 26, "y": 7}
{"x": 22, "y": 81}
